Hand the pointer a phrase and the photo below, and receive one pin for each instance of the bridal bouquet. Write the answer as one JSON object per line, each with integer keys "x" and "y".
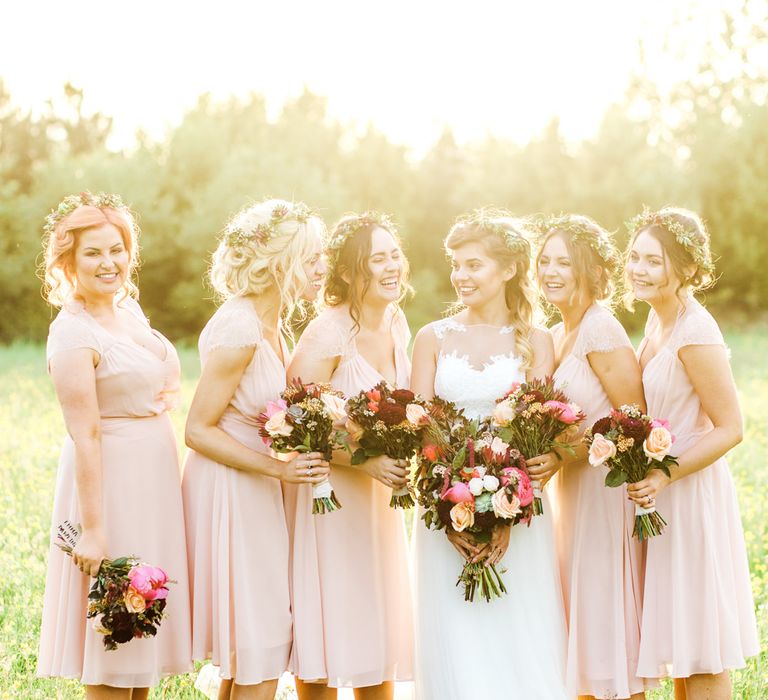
{"x": 536, "y": 417}
{"x": 127, "y": 599}
{"x": 630, "y": 444}
{"x": 387, "y": 421}
{"x": 471, "y": 480}
{"x": 305, "y": 419}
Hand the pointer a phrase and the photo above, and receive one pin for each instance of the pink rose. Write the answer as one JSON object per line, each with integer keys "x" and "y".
{"x": 601, "y": 450}
{"x": 134, "y": 601}
{"x": 149, "y": 581}
{"x": 459, "y": 493}
{"x": 463, "y": 516}
{"x": 522, "y": 483}
{"x": 416, "y": 414}
{"x": 565, "y": 412}
{"x": 504, "y": 507}
{"x": 658, "y": 443}
{"x": 275, "y": 407}
{"x": 662, "y": 423}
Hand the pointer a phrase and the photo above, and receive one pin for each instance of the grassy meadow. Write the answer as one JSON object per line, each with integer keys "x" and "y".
{"x": 32, "y": 431}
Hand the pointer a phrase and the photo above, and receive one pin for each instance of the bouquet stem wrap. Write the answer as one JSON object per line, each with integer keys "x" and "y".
{"x": 648, "y": 522}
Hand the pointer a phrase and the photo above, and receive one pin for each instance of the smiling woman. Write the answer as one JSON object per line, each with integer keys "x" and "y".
{"x": 115, "y": 379}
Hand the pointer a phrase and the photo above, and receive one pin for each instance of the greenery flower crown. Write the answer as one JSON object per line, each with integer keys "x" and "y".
{"x": 240, "y": 231}
{"x": 84, "y": 199}
{"x": 579, "y": 232}
{"x": 686, "y": 237}
{"x": 348, "y": 228}
{"x": 488, "y": 220}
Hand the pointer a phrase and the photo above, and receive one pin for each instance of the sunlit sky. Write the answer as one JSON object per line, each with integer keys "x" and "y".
{"x": 410, "y": 68}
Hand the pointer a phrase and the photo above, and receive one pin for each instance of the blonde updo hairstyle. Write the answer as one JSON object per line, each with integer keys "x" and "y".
{"x": 62, "y": 239}
{"x": 594, "y": 258}
{"x": 246, "y": 262}
{"x": 685, "y": 241}
{"x": 505, "y": 239}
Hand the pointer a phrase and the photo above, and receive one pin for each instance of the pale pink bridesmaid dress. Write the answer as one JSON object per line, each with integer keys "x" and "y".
{"x": 142, "y": 509}
{"x": 601, "y": 564}
{"x": 698, "y": 614}
{"x": 236, "y": 530}
{"x": 351, "y": 592}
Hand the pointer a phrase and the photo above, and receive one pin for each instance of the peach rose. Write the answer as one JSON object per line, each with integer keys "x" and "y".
{"x": 278, "y": 425}
{"x": 658, "y": 443}
{"x": 503, "y": 413}
{"x": 134, "y": 601}
{"x": 503, "y": 506}
{"x": 463, "y": 516}
{"x": 416, "y": 414}
{"x": 335, "y": 406}
{"x": 601, "y": 450}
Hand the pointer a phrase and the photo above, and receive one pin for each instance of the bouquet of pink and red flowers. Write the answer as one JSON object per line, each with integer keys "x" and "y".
{"x": 631, "y": 444}
{"x": 127, "y": 599}
{"x": 469, "y": 479}
{"x": 305, "y": 419}
{"x": 535, "y": 418}
{"x": 387, "y": 421}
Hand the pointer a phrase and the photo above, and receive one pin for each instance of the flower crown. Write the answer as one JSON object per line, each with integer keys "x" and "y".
{"x": 579, "y": 232}
{"x": 348, "y": 228}
{"x": 488, "y": 220}
{"x": 242, "y": 230}
{"x": 75, "y": 201}
{"x": 686, "y": 237}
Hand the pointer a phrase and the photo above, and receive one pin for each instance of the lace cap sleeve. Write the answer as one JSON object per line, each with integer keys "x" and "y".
{"x": 323, "y": 338}
{"x": 697, "y": 327}
{"x": 234, "y": 325}
{"x": 602, "y": 332}
{"x": 71, "y": 332}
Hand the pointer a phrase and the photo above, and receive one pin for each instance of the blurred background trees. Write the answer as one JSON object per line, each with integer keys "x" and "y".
{"x": 702, "y": 144}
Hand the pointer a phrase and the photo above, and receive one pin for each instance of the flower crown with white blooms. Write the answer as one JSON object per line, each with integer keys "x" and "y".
{"x": 687, "y": 237}
{"x": 247, "y": 227}
{"x": 84, "y": 199}
{"x": 492, "y": 221}
{"x": 579, "y": 231}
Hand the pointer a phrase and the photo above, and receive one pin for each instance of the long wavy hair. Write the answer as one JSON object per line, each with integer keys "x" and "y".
{"x": 351, "y": 261}
{"x": 519, "y": 292}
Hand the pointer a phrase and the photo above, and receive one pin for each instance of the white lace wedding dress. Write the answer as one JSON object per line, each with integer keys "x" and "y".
{"x": 514, "y": 646}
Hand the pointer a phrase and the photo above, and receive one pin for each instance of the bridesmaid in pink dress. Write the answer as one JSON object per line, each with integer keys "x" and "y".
{"x": 118, "y": 475}
{"x": 698, "y": 617}
{"x": 600, "y": 561}
{"x": 352, "y": 605}
{"x": 269, "y": 257}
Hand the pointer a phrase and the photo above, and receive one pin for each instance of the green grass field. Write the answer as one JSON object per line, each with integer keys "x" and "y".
{"x": 32, "y": 431}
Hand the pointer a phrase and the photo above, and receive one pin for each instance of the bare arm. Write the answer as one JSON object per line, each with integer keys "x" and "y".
{"x": 710, "y": 374}
{"x": 221, "y": 375}
{"x": 74, "y": 379}
{"x": 619, "y": 373}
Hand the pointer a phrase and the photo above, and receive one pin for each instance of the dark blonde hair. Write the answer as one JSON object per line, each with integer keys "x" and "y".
{"x": 594, "y": 257}
{"x": 505, "y": 239}
{"x": 685, "y": 241}
{"x": 60, "y": 244}
{"x": 349, "y": 256}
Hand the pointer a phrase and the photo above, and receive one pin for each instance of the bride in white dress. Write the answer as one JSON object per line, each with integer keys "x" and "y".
{"x": 514, "y": 646}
